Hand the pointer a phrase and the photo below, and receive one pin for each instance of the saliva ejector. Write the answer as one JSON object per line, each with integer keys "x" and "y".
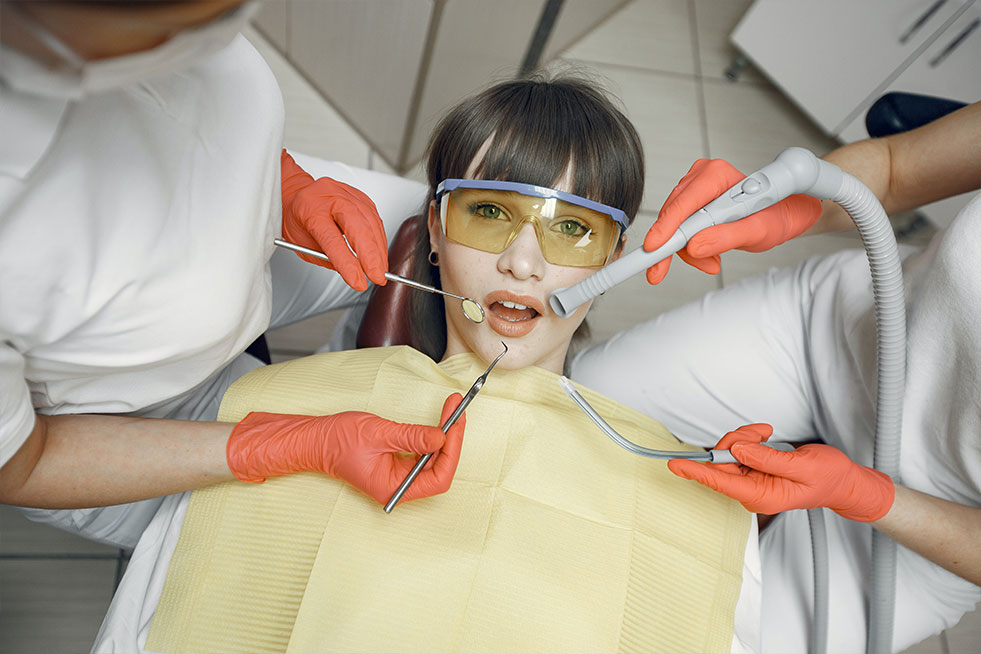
{"x": 797, "y": 170}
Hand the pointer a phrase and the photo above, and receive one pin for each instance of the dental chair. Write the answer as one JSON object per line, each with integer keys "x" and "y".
{"x": 385, "y": 319}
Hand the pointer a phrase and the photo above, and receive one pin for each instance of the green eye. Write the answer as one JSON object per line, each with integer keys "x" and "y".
{"x": 489, "y": 211}
{"x": 571, "y": 227}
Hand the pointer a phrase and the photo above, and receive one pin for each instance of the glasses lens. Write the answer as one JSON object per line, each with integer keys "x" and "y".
{"x": 569, "y": 235}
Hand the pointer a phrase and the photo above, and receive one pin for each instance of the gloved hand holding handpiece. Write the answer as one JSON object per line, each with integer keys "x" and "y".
{"x": 359, "y": 448}
{"x": 770, "y": 481}
{"x": 706, "y": 180}
{"x": 327, "y": 215}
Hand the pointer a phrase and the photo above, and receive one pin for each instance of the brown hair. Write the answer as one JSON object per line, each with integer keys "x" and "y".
{"x": 537, "y": 126}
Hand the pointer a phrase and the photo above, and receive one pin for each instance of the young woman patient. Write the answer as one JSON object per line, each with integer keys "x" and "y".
{"x": 550, "y": 538}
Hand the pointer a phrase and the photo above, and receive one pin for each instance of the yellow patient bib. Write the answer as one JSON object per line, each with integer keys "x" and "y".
{"x": 551, "y": 538}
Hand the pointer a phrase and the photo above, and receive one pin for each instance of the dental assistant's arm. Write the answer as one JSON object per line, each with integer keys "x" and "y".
{"x": 816, "y": 475}
{"x": 77, "y": 461}
{"x": 904, "y": 171}
{"x": 944, "y": 532}
{"x": 911, "y": 169}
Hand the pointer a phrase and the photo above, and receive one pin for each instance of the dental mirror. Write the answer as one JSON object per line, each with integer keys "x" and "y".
{"x": 471, "y": 308}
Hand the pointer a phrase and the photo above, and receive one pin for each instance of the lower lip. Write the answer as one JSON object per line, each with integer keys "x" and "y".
{"x": 512, "y": 329}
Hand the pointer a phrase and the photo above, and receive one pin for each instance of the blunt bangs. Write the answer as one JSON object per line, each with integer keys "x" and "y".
{"x": 538, "y": 127}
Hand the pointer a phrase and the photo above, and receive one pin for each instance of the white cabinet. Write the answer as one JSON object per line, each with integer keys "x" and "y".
{"x": 836, "y": 57}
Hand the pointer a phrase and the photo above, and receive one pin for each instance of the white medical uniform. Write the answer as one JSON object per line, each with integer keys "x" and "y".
{"x": 136, "y": 251}
{"x": 796, "y": 348}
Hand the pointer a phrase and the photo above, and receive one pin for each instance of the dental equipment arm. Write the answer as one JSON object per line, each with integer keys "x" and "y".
{"x": 795, "y": 170}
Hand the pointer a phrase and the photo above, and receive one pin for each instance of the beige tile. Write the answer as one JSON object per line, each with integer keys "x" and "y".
{"x": 271, "y": 21}
{"x": 714, "y": 21}
{"x": 749, "y": 125}
{"x": 577, "y": 19}
{"x": 932, "y": 645}
{"x": 313, "y": 126}
{"x": 965, "y": 636}
{"x": 665, "y": 111}
{"x": 365, "y": 57}
{"x": 18, "y": 535}
{"x": 737, "y": 265}
{"x": 53, "y": 606}
{"x": 651, "y": 34}
{"x": 303, "y": 337}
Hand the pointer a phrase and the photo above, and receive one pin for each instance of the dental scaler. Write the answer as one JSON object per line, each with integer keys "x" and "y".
{"x": 795, "y": 170}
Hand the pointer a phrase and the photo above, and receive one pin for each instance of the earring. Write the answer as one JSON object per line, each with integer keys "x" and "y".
{"x": 433, "y": 258}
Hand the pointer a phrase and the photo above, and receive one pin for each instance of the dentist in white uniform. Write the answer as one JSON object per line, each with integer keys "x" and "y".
{"x": 142, "y": 182}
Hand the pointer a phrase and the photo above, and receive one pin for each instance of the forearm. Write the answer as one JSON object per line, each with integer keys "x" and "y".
{"x": 93, "y": 460}
{"x": 944, "y": 532}
{"x": 911, "y": 169}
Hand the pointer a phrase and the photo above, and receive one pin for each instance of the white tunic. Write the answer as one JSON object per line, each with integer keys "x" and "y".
{"x": 136, "y": 251}
{"x": 136, "y": 227}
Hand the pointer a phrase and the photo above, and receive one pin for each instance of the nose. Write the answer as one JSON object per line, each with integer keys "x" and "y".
{"x": 523, "y": 259}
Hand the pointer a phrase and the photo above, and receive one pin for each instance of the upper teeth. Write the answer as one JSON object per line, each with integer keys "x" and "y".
{"x": 513, "y": 305}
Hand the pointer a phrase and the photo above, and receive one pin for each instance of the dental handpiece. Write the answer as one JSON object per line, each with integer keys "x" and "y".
{"x": 795, "y": 170}
{"x": 471, "y": 308}
{"x": 710, "y": 456}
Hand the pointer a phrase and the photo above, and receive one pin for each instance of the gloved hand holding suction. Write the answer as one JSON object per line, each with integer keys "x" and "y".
{"x": 320, "y": 214}
{"x": 770, "y": 481}
{"x": 706, "y": 180}
{"x": 362, "y": 449}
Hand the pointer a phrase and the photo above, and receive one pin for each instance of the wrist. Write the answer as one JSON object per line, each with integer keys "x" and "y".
{"x": 266, "y": 445}
{"x": 872, "y": 495}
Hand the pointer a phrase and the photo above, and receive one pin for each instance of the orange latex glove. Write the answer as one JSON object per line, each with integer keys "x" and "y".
{"x": 771, "y": 481}
{"x": 362, "y": 449}
{"x": 705, "y": 181}
{"x": 320, "y": 214}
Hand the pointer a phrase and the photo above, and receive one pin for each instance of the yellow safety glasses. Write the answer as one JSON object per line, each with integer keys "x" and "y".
{"x": 488, "y": 215}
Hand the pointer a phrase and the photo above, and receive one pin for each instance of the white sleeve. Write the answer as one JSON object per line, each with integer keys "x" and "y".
{"x": 301, "y": 290}
{"x": 16, "y": 410}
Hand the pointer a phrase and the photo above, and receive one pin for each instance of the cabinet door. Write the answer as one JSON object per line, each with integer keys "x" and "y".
{"x": 949, "y": 68}
{"x": 828, "y": 56}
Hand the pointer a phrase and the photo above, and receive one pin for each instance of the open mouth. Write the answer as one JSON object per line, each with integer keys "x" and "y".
{"x": 512, "y": 315}
{"x": 513, "y": 311}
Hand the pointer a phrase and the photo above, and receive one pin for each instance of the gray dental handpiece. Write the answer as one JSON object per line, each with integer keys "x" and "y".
{"x": 795, "y": 170}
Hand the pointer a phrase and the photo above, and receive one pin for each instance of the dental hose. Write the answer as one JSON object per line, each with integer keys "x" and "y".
{"x": 890, "y": 322}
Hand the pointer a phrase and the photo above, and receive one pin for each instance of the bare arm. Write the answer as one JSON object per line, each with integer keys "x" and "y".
{"x": 64, "y": 462}
{"x": 914, "y": 168}
{"x": 947, "y": 533}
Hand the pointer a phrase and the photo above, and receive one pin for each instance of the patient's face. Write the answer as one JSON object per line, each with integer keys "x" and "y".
{"x": 513, "y": 288}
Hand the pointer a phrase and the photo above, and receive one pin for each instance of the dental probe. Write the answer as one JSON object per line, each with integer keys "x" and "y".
{"x": 795, "y": 170}
{"x": 424, "y": 459}
{"x": 711, "y": 456}
{"x": 471, "y": 308}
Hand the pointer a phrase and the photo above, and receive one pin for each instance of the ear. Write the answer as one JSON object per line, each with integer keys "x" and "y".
{"x": 435, "y": 228}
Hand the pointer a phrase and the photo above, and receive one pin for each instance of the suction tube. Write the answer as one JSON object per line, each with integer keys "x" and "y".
{"x": 795, "y": 170}
{"x": 890, "y": 322}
